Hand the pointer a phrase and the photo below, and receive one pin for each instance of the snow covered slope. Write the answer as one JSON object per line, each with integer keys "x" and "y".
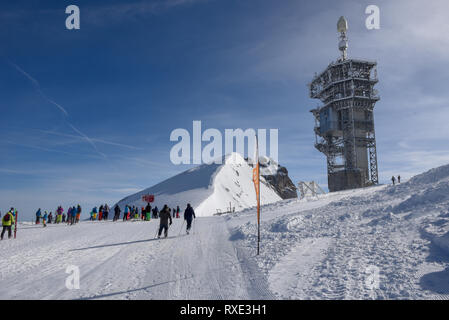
{"x": 383, "y": 242}
{"x": 208, "y": 188}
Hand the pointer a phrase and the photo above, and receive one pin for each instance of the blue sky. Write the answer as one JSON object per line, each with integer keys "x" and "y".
{"x": 86, "y": 115}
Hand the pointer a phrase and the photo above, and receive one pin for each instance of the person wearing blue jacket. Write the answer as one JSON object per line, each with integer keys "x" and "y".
{"x": 44, "y": 219}
{"x": 126, "y": 213}
{"x": 93, "y": 214}
{"x": 38, "y": 216}
{"x": 73, "y": 216}
{"x": 189, "y": 215}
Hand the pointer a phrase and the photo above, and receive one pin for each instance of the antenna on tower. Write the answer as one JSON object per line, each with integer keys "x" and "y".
{"x": 342, "y": 27}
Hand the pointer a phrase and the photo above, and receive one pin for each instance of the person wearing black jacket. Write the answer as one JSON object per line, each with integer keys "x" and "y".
{"x": 164, "y": 217}
{"x": 155, "y": 212}
{"x": 116, "y": 212}
{"x": 189, "y": 215}
{"x": 147, "y": 211}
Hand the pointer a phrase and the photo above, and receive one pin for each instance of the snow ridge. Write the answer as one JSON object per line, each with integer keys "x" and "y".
{"x": 209, "y": 188}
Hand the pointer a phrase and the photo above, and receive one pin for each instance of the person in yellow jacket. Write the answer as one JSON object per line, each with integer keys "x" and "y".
{"x": 7, "y": 222}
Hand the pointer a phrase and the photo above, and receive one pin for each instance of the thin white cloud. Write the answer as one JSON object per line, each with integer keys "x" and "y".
{"x": 48, "y": 149}
{"x": 93, "y": 139}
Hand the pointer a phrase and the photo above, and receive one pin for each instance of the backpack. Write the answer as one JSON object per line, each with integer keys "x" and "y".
{"x": 7, "y": 217}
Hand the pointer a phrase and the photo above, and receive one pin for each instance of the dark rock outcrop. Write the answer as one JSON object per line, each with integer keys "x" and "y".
{"x": 277, "y": 177}
{"x": 282, "y": 183}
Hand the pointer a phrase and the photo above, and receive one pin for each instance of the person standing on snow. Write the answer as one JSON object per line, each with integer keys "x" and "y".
{"x": 78, "y": 213}
{"x": 399, "y": 179}
{"x": 100, "y": 213}
{"x": 73, "y": 216}
{"x": 105, "y": 212}
{"x": 59, "y": 212}
{"x": 178, "y": 210}
{"x": 38, "y": 216}
{"x": 155, "y": 212}
{"x": 69, "y": 215}
{"x": 189, "y": 215}
{"x": 126, "y": 213}
{"x": 7, "y": 222}
{"x": 116, "y": 212}
{"x": 393, "y": 179}
{"x": 44, "y": 219}
{"x": 50, "y": 217}
{"x": 165, "y": 217}
{"x": 93, "y": 214}
{"x": 148, "y": 212}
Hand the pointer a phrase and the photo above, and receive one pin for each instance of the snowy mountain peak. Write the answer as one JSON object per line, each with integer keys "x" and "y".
{"x": 209, "y": 188}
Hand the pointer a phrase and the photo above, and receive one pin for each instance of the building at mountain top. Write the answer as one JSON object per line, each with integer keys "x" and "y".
{"x": 344, "y": 122}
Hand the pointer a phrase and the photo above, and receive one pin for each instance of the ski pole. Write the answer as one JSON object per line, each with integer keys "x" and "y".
{"x": 181, "y": 227}
{"x": 157, "y": 230}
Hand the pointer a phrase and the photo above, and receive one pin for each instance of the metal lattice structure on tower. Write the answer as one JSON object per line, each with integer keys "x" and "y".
{"x": 345, "y": 123}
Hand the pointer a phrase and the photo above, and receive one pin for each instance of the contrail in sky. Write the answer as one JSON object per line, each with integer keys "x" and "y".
{"x": 61, "y": 108}
{"x": 38, "y": 88}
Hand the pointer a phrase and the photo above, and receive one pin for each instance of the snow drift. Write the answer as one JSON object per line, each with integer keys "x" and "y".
{"x": 331, "y": 247}
{"x": 209, "y": 188}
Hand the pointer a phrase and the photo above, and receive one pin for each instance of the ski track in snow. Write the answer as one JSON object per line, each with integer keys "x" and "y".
{"x": 321, "y": 248}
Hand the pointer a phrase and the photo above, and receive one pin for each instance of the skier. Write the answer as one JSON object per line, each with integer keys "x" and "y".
{"x": 50, "y": 217}
{"x": 399, "y": 179}
{"x": 7, "y": 222}
{"x": 116, "y": 212}
{"x": 178, "y": 210}
{"x": 73, "y": 216}
{"x": 105, "y": 212}
{"x": 136, "y": 213}
{"x": 174, "y": 212}
{"x": 69, "y": 215}
{"x": 93, "y": 214}
{"x": 148, "y": 212}
{"x": 126, "y": 213}
{"x": 393, "y": 179}
{"x": 59, "y": 211}
{"x": 100, "y": 213}
{"x": 189, "y": 215}
{"x": 155, "y": 212}
{"x": 38, "y": 216}
{"x": 164, "y": 216}
{"x": 63, "y": 218}
{"x": 44, "y": 219}
{"x": 78, "y": 214}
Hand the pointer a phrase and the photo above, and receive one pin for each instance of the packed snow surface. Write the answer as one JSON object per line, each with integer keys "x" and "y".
{"x": 210, "y": 188}
{"x": 384, "y": 242}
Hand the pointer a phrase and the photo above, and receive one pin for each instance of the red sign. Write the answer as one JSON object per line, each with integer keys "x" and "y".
{"x": 148, "y": 198}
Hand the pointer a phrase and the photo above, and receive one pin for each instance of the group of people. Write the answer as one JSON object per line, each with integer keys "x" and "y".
{"x": 144, "y": 213}
{"x": 393, "y": 179}
{"x": 166, "y": 219}
{"x": 102, "y": 213}
{"x": 73, "y": 216}
{"x": 165, "y": 215}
